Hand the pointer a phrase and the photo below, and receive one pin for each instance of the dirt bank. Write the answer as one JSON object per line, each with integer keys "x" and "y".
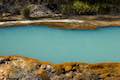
{"x": 22, "y": 68}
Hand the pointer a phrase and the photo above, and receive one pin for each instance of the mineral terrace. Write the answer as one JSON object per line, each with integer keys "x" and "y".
{"x": 23, "y": 68}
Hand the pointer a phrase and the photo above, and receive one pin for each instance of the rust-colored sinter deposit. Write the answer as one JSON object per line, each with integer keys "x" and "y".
{"x": 22, "y": 68}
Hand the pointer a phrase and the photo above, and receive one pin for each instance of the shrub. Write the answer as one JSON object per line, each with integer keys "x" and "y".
{"x": 84, "y": 8}
{"x": 26, "y": 12}
{"x": 80, "y": 7}
{"x": 66, "y": 9}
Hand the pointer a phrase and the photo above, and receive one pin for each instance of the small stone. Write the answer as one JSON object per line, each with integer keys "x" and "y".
{"x": 68, "y": 68}
{"x": 56, "y": 78}
{"x": 43, "y": 74}
{"x": 43, "y": 66}
{"x": 48, "y": 67}
{"x": 77, "y": 76}
{"x": 69, "y": 75}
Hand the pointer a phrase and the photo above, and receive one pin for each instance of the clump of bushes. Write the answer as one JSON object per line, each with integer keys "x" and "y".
{"x": 79, "y": 7}
{"x": 26, "y": 12}
{"x": 87, "y": 7}
{"x": 66, "y": 9}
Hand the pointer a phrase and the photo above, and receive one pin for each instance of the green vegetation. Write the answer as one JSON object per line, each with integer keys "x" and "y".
{"x": 69, "y": 7}
{"x": 87, "y": 6}
{"x": 84, "y": 8}
{"x": 92, "y": 7}
{"x": 26, "y": 12}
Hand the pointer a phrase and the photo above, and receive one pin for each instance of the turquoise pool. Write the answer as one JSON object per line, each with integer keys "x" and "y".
{"x": 57, "y": 46}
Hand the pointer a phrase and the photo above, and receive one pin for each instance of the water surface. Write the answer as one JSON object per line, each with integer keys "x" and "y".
{"x": 57, "y": 46}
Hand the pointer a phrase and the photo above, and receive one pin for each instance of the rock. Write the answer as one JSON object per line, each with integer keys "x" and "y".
{"x": 22, "y": 68}
{"x": 56, "y": 78}
{"x": 77, "y": 76}
{"x": 43, "y": 66}
{"x": 49, "y": 67}
{"x": 57, "y": 69}
{"x": 42, "y": 74}
{"x": 40, "y": 11}
{"x": 68, "y": 68}
{"x": 69, "y": 75}
{"x": 6, "y": 14}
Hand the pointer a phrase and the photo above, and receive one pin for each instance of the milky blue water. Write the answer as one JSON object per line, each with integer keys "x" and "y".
{"x": 57, "y": 46}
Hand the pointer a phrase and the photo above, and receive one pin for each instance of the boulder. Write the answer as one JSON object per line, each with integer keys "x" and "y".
{"x": 40, "y": 11}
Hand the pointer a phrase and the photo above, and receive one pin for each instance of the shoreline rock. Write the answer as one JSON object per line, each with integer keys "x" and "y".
{"x": 23, "y": 68}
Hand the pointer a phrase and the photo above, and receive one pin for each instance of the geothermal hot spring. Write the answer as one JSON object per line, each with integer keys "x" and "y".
{"x": 57, "y": 46}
